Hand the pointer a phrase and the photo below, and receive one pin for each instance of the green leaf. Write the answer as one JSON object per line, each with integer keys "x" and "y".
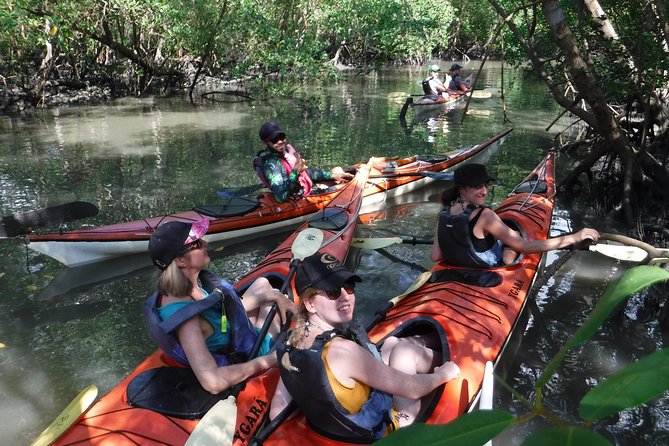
{"x": 637, "y": 383}
{"x": 473, "y": 428}
{"x": 633, "y": 280}
{"x": 565, "y": 436}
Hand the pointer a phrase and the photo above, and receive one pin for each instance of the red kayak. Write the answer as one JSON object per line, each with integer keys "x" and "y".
{"x": 240, "y": 218}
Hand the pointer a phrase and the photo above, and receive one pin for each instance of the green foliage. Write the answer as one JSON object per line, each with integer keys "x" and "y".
{"x": 565, "y": 436}
{"x": 473, "y": 428}
{"x": 636, "y": 384}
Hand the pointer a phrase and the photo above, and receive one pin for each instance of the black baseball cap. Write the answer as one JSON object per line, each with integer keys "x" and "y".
{"x": 324, "y": 272}
{"x": 455, "y": 66}
{"x": 269, "y": 131}
{"x": 472, "y": 175}
{"x": 168, "y": 240}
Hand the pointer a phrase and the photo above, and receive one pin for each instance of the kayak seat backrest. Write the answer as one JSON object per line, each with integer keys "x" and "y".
{"x": 435, "y": 336}
{"x": 230, "y": 207}
{"x": 433, "y": 159}
{"x": 532, "y": 186}
{"x": 470, "y": 276}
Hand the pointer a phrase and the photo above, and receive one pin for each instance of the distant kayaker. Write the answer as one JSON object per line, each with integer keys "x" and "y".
{"x": 348, "y": 389}
{"x": 456, "y": 82}
{"x": 281, "y": 168}
{"x": 432, "y": 85}
{"x": 471, "y": 235}
{"x": 212, "y": 331}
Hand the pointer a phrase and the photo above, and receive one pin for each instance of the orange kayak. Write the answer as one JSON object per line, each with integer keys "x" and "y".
{"x": 471, "y": 311}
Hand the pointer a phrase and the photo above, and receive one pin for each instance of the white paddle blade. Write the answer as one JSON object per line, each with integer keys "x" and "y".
{"x": 307, "y": 243}
{"x": 620, "y": 252}
{"x": 375, "y": 243}
{"x": 419, "y": 282}
{"x": 217, "y": 427}
{"x": 485, "y": 403}
{"x": 67, "y": 417}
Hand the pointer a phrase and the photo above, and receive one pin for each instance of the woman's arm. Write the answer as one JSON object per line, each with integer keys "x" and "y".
{"x": 349, "y": 361}
{"x": 490, "y": 223}
{"x": 280, "y": 400}
{"x": 215, "y": 379}
{"x": 437, "y": 255}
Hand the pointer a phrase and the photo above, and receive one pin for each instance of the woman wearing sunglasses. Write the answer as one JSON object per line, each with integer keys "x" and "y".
{"x": 198, "y": 319}
{"x": 283, "y": 171}
{"x": 348, "y": 389}
{"x": 469, "y": 234}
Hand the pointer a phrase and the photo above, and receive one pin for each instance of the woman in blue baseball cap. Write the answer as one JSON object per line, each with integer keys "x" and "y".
{"x": 470, "y": 234}
{"x": 198, "y": 319}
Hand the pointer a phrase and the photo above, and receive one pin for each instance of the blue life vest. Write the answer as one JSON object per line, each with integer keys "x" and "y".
{"x": 308, "y": 384}
{"x": 221, "y": 297}
{"x": 455, "y": 242}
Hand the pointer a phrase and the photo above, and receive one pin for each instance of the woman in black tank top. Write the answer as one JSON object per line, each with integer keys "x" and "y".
{"x": 471, "y": 189}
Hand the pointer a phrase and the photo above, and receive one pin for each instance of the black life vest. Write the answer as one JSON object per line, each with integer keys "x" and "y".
{"x": 455, "y": 240}
{"x": 221, "y": 296}
{"x": 309, "y": 386}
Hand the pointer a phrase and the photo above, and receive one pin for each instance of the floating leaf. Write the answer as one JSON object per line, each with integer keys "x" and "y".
{"x": 473, "y": 428}
{"x": 636, "y": 384}
{"x": 565, "y": 436}
{"x": 633, "y": 280}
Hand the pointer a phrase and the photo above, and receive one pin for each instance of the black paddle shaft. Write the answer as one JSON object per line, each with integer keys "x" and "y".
{"x": 23, "y": 223}
{"x": 272, "y": 311}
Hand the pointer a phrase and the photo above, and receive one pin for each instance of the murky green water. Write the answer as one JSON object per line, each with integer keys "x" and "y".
{"x": 65, "y": 329}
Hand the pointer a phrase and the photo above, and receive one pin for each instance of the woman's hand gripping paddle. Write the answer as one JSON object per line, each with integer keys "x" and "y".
{"x": 217, "y": 427}
{"x": 67, "y": 417}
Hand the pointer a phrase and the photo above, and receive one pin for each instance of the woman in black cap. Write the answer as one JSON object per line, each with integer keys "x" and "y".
{"x": 283, "y": 171}
{"x": 471, "y": 235}
{"x": 346, "y": 388}
{"x": 198, "y": 319}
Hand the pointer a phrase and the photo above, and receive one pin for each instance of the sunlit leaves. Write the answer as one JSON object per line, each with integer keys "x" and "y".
{"x": 636, "y": 384}
{"x": 473, "y": 428}
{"x": 630, "y": 282}
{"x": 565, "y": 436}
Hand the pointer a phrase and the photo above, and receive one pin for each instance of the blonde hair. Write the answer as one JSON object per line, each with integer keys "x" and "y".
{"x": 173, "y": 282}
{"x": 301, "y": 317}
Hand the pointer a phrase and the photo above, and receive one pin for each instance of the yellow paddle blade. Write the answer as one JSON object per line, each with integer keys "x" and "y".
{"x": 217, "y": 427}
{"x": 620, "y": 252}
{"x": 419, "y": 282}
{"x": 67, "y": 417}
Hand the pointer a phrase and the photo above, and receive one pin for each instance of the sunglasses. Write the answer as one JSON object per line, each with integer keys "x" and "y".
{"x": 197, "y": 244}
{"x": 276, "y": 139}
{"x": 334, "y": 295}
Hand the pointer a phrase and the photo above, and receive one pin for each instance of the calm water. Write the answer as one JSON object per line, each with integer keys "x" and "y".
{"x": 62, "y": 330}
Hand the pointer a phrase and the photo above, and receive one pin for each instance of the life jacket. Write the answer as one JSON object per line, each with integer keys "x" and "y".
{"x": 222, "y": 297}
{"x": 427, "y": 89}
{"x": 288, "y": 159}
{"x": 308, "y": 384}
{"x": 455, "y": 240}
